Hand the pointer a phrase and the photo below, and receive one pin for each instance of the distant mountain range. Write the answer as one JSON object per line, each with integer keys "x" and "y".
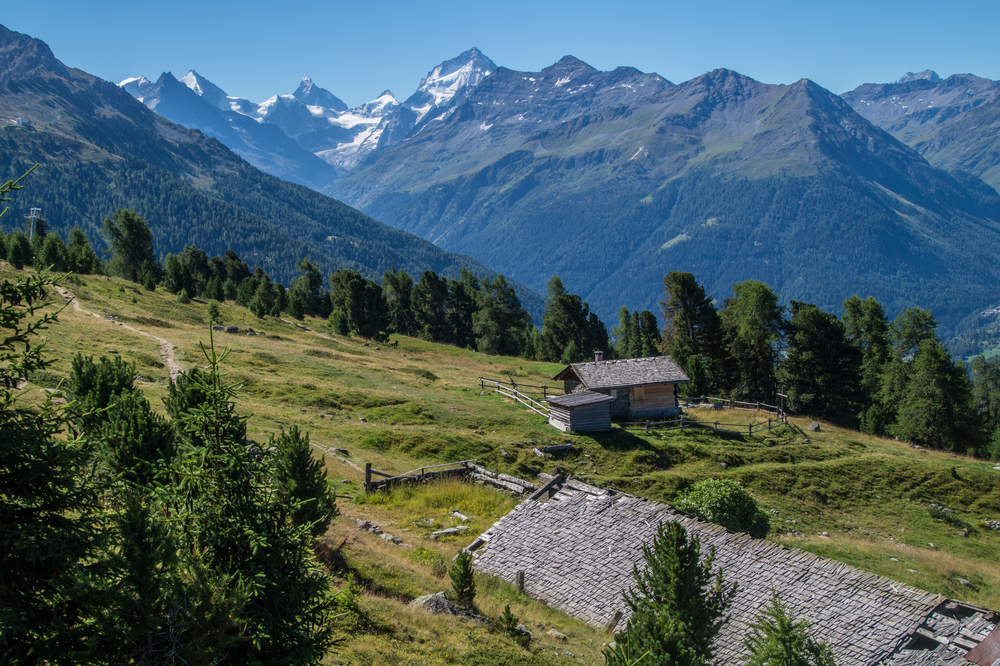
{"x": 612, "y": 179}
{"x": 288, "y": 135}
{"x": 100, "y": 150}
{"x": 953, "y": 122}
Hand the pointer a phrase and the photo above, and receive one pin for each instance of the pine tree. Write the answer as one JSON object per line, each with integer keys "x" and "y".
{"x": 82, "y": 257}
{"x": 937, "y": 408}
{"x": 236, "y": 522}
{"x": 301, "y": 480}
{"x": 776, "y": 639}
{"x": 429, "y": 301}
{"x": 48, "y": 505}
{"x": 753, "y": 325}
{"x": 463, "y": 581}
{"x": 53, "y": 253}
{"x": 821, "y": 369}
{"x": 398, "y": 288}
{"x": 131, "y": 244}
{"x": 677, "y": 603}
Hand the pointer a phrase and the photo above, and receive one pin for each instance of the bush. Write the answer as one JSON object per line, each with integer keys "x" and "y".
{"x": 725, "y": 503}
{"x": 183, "y": 297}
{"x": 463, "y": 581}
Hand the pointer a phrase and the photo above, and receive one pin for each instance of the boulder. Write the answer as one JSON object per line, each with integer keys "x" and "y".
{"x": 438, "y": 604}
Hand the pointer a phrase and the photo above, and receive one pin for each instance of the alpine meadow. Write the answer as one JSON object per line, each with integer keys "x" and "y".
{"x": 524, "y": 368}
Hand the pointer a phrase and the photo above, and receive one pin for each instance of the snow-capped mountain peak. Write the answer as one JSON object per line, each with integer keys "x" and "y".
{"x": 207, "y": 90}
{"x": 136, "y": 86}
{"x": 312, "y": 95}
{"x": 451, "y": 79}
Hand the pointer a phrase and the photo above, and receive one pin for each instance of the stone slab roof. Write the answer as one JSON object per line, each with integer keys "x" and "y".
{"x": 625, "y": 372}
{"x": 580, "y": 399}
{"x": 578, "y": 549}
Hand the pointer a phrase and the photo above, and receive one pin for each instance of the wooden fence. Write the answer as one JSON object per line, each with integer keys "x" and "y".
{"x": 780, "y": 418}
{"x": 681, "y": 423}
{"x": 459, "y": 468}
{"x": 515, "y": 391}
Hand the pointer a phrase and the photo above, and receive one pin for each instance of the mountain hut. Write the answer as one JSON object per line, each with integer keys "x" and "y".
{"x": 640, "y": 388}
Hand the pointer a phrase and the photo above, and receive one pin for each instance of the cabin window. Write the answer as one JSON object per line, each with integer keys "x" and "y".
{"x": 614, "y": 393}
{"x": 639, "y": 393}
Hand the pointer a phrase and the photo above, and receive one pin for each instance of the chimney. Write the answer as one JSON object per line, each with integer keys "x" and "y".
{"x": 598, "y": 356}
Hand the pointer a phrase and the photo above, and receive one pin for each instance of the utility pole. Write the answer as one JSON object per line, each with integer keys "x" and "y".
{"x": 32, "y": 221}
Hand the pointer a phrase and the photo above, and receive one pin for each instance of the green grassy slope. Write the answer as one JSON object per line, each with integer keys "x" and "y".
{"x": 863, "y": 500}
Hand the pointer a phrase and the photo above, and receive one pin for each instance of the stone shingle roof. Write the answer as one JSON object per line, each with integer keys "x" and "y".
{"x": 580, "y": 399}
{"x": 577, "y": 552}
{"x": 625, "y": 372}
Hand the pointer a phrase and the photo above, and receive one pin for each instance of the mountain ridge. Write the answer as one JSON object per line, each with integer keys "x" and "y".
{"x": 101, "y": 150}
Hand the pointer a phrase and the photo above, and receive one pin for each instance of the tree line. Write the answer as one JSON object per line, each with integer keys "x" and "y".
{"x": 889, "y": 378}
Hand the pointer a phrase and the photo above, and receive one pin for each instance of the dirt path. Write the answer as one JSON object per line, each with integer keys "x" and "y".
{"x": 166, "y": 347}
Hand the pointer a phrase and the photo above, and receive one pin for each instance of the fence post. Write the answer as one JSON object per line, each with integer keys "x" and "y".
{"x": 647, "y": 425}
{"x": 368, "y": 475}
{"x": 519, "y": 577}
{"x": 482, "y": 386}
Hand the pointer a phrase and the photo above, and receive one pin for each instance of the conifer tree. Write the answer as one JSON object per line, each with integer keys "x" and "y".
{"x": 501, "y": 324}
{"x": 131, "y": 244}
{"x": 463, "y": 581}
{"x": 753, "y": 325}
{"x": 53, "y": 254}
{"x": 677, "y": 604}
{"x": 398, "y": 288}
{"x": 82, "y": 257}
{"x": 302, "y": 481}
{"x": 776, "y": 639}
{"x": 48, "y": 505}
{"x": 19, "y": 250}
{"x": 240, "y": 527}
{"x": 821, "y": 369}
{"x": 429, "y": 301}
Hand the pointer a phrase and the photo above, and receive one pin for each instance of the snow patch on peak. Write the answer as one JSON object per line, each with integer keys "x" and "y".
{"x": 207, "y": 90}
{"x": 926, "y": 75}
{"x": 449, "y": 80}
{"x": 137, "y": 86}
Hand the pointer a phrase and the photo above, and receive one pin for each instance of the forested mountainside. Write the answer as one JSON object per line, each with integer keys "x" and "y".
{"x": 99, "y": 150}
{"x": 611, "y": 178}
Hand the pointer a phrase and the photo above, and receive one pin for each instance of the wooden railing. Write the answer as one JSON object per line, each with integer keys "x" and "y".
{"x": 514, "y": 392}
{"x": 420, "y": 474}
{"x": 681, "y": 423}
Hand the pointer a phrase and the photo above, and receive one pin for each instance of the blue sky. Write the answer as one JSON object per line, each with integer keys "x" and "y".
{"x": 356, "y": 49}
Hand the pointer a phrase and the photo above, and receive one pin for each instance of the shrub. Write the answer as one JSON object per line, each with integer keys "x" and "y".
{"x": 725, "y": 503}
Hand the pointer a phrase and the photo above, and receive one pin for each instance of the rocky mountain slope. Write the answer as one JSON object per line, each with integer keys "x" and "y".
{"x": 953, "y": 122}
{"x": 317, "y": 120}
{"x": 612, "y": 179}
{"x": 99, "y": 149}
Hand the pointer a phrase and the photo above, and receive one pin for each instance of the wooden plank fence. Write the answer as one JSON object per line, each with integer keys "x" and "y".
{"x": 459, "y": 468}
{"x": 779, "y": 417}
{"x": 513, "y": 391}
{"x": 681, "y": 423}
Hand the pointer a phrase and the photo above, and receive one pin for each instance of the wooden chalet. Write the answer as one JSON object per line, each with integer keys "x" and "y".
{"x": 640, "y": 388}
